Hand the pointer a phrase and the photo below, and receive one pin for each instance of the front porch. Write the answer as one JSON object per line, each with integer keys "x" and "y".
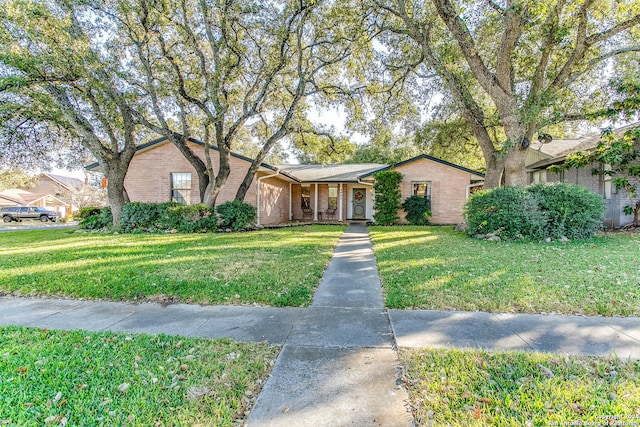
{"x": 331, "y": 202}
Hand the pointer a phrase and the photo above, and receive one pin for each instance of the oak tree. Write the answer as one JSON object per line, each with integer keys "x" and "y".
{"x": 522, "y": 65}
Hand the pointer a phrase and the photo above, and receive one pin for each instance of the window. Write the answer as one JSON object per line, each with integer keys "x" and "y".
{"x": 181, "y": 188}
{"x": 333, "y": 197}
{"x": 421, "y": 188}
{"x": 540, "y": 177}
{"x": 306, "y": 199}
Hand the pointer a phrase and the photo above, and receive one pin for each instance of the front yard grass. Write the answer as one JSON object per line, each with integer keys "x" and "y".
{"x": 271, "y": 267}
{"x": 473, "y": 387}
{"x": 79, "y": 378}
{"x": 440, "y": 269}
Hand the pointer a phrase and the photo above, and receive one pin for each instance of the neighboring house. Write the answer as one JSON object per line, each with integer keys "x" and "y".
{"x": 159, "y": 173}
{"x": 555, "y": 153}
{"x": 54, "y": 192}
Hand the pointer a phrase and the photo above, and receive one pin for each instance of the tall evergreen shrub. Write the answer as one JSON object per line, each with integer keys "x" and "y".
{"x": 388, "y": 199}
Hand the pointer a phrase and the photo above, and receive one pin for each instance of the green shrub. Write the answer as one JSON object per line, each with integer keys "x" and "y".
{"x": 98, "y": 218}
{"x": 186, "y": 218}
{"x": 418, "y": 210}
{"x": 139, "y": 216}
{"x": 571, "y": 211}
{"x": 535, "y": 212}
{"x": 387, "y": 198}
{"x": 510, "y": 212}
{"x": 84, "y": 213}
{"x": 236, "y": 215}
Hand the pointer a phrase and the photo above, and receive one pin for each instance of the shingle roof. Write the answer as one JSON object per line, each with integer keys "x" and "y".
{"x": 66, "y": 180}
{"x": 577, "y": 145}
{"x": 331, "y": 173}
{"x": 556, "y": 146}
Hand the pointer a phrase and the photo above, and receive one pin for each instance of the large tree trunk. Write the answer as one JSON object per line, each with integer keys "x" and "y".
{"x": 215, "y": 186}
{"x": 495, "y": 170}
{"x": 519, "y": 135}
{"x": 116, "y": 193}
{"x": 515, "y": 173}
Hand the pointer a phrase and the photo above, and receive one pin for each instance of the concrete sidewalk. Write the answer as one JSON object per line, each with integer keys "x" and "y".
{"x": 338, "y": 364}
{"x": 575, "y": 335}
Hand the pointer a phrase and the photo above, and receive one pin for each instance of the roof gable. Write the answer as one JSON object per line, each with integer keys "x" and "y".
{"x": 162, "y": 140}
{"x": 66, "y": 181}
{"x": 425, "y": 157}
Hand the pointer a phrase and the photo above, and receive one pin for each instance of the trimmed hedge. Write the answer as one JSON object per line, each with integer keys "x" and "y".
{"x": 187, "y": 218}
{"x": 535, "y": 212}
{"x": 418, "y": 210}
{"x": 140, "y": 217}
{"x": 236, "y": 215}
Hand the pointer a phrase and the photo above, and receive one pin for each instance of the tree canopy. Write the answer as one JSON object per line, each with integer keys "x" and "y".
{"x": 56, "y": 80}
{"x": 521, "y": 65}
{"x": 107, "y": 75}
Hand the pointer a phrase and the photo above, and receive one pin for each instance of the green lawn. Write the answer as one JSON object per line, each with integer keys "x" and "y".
{"x": 462, "y": 388}
{"x": 274, "y": 267}
{"x": 438, "y": 268}
{"x": 81, "y": 378}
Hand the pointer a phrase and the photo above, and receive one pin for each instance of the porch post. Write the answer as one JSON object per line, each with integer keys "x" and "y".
{"x": 290, "y": 202}
{"x": 315, "y": 203}
{"x": 340, "y": 202}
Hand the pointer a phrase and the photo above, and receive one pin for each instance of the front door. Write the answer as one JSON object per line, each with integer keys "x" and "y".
{"x": 359, "y": 203}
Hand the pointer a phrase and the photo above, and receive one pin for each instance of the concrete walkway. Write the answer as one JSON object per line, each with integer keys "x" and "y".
{"x": 338, "y": 366}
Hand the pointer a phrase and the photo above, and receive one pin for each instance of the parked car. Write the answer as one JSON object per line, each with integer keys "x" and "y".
{"x": 18, "y": 213}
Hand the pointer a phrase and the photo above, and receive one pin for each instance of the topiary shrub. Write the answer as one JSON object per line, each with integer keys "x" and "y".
{"x": 387, "y": 197}
{"x": 236, "y": 214}
{"x": 571, "y": 211}
{"x": 510, "y": 212}
{"x": 95, "y": 218}
{"x": 418, "y": 210}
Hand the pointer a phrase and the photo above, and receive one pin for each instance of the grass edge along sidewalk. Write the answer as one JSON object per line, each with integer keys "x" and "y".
{"x": 52, "y": 377}
{"x": 279, "y": 267}
{"x": 437, "y": 268}
{"x": 477, "y": 387}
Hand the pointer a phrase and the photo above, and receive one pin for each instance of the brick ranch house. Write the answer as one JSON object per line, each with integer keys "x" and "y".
{"x": 542, "y": 156}
{"x": 283, "y": 193}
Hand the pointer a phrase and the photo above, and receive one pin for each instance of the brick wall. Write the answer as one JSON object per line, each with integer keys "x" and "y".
{"x": 274, "y": 201}
{"x": 149, "y": 180}
{"x": 448, "y": 188}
